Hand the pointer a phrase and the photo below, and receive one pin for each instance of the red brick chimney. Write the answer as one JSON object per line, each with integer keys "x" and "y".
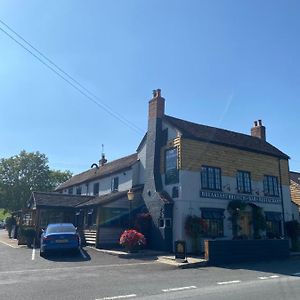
{"x": 258, "y": 130}
{"x": 156, "y": 105}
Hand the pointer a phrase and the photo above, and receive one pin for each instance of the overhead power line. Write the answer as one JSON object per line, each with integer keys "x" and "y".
{"x": 68, "y": 78}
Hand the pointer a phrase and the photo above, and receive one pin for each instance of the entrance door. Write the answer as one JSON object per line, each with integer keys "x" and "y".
{"x": 245, "y": 224}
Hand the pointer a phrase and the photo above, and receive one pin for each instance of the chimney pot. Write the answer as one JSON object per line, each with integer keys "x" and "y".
{"x": 258, "y": 130}
{"x": 156, "y": 105}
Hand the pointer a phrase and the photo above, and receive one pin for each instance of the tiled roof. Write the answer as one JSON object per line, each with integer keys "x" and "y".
{"x": 295, "y": 187}
{"x": 104, "y": 199}
{"x": 295, "y": 176}
{"x": 105, "y": 170}
{"x": 57, "y": 199}
{"x": 223, "y": 137}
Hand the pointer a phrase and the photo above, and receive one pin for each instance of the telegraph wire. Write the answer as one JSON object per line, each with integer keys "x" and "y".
{"x": 86, "y": 93}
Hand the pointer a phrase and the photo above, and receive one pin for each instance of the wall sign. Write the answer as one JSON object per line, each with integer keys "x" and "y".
{"x": 245, "y": 198}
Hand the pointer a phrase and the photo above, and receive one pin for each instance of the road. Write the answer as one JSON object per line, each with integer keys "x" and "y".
{"x": 95, "y": 275}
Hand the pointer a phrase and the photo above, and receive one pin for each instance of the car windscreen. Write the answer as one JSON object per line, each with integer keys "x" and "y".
{"x": 61, "y": 228}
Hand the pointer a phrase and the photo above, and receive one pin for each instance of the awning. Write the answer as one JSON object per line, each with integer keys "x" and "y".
{"x": 273, "y": 216}
{"x": 212, "y": 213}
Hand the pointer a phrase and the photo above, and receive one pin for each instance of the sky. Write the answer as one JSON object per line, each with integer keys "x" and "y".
{"x": 219, "y": 63}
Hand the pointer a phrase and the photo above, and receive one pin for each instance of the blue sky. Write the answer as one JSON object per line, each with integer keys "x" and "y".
{"x": 219, "y": 63}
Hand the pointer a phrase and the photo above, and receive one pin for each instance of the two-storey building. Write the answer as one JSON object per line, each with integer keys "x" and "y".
{"x": 203, "y": 169}
{"x": 183, "y": 169}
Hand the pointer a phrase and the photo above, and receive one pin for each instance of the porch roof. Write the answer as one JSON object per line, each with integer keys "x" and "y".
{"x": 43, "y": 199}
{"x": 104, "y": 199}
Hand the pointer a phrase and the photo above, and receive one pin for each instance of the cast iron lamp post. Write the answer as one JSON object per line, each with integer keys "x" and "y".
{"x": 130, "y": 196}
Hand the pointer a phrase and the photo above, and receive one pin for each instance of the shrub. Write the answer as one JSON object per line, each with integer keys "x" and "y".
{"x": 29, "y": 234}
{"x": 132, "y": 239}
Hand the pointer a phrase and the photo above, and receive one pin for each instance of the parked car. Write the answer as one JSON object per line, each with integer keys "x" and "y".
{"x": 62, "y": 236}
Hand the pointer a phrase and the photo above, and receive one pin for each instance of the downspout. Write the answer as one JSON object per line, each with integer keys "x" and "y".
{"x": 281, "y": 195}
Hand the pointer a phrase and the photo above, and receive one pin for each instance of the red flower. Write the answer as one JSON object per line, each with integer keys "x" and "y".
{"x": 132, "y": 238}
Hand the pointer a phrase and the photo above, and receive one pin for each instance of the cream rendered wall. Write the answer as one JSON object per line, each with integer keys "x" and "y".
{"x": 125, "y": 183}
{"x": 189, "y": 202}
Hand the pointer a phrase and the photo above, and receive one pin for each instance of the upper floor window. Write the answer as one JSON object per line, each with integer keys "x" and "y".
{"x": 243, "y": 180}
{"x": 115, "y": 184}
{"x": 211, "y": 178}
{"x": 70, "y": 191}
{"x": 171, "y": 170}
{"x": 96, "y": 188}
{"x": 271, "y": 185}
{"x": 78, "y": 190}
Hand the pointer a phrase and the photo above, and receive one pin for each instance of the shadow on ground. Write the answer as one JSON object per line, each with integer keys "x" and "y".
{"x": 63, "y": 256}
{"x": 284, "y": 267}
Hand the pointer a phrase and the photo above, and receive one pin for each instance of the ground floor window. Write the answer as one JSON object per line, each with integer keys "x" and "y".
{"x": 213, "y": 222}
{"x": 51, "y": 216}
{"x": 273, "y": 224}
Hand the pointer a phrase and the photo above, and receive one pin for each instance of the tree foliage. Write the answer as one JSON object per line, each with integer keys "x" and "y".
{"x": 24, "y": 173}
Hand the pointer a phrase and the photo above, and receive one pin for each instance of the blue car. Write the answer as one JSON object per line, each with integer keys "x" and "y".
{"x": 62, "y": 236}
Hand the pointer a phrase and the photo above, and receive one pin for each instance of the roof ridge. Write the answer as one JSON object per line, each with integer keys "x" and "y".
{"x": 232, "y": 131}
{"x": 224, "y": 137}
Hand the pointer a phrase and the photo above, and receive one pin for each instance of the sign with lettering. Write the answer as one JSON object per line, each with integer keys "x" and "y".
{"x": 245, "y": 198}
{"x": 180, "y": 250}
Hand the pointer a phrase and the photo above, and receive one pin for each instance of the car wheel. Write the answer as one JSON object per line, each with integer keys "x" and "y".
{"x": 43, "y": 254}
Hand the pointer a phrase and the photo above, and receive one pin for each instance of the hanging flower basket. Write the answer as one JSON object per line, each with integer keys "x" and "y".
{"x": 132, "y": 240}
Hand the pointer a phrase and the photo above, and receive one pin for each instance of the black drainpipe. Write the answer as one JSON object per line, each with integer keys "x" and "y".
{"x": 281, "y": 195}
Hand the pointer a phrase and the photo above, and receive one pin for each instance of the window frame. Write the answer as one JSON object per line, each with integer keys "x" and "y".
{"x": 212, "y": 186}
{"x": 173, "y": 179}
{"x": 273, "y": 189}
{"x": 243, "y": 190}
{"x": 115, "y": 184}
{"x": 96, "y": 191}
{"x": 78, "y": 190}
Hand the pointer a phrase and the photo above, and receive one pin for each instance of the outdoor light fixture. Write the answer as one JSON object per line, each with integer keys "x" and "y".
{"x": 130, "y": 196}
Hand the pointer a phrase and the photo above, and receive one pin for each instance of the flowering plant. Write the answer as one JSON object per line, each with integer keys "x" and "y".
{"x": 131, "y": 239}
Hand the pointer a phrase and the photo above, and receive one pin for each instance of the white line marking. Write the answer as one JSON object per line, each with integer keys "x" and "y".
{"x": 229, "y": 282}
{"x": 9, "y": 245}
{"x": 33, "y": 254}
{"x": 268, "y": 277}
{"x": 118, "y": 297}
{"x": 82, "y": 254}
{"x": 179, "y": 289}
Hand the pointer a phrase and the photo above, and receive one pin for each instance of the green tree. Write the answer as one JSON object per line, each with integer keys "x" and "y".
{"x": 57, "y": 177}
{"x": 24, "y": 173}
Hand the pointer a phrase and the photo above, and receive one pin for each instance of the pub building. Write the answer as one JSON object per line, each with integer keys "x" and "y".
{"x": 183, "y": 169}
